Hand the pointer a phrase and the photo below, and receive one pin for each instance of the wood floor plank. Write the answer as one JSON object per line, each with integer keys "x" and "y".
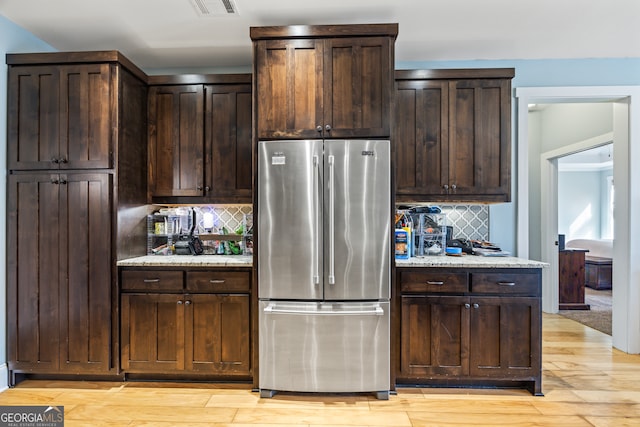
{"x": 585, "y": 383}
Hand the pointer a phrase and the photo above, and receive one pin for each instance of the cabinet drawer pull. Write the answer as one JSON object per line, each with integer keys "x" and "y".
{"x": 429, "y": 282}
{"x": 216, "y": 281}
{"x": 151, "y": 280}
{"x": 507, "y": 283}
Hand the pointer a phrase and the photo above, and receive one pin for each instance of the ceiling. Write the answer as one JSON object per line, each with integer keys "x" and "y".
{"x": 170, "y": 34}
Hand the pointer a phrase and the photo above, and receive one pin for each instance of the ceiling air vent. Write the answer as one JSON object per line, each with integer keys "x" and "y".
{"x": 218, "y": 8}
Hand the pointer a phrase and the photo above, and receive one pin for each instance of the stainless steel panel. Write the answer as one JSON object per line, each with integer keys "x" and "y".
{"x": 324, "y": 347}
{"x": 289, "y": 219}
{"x": 357, "y": 219}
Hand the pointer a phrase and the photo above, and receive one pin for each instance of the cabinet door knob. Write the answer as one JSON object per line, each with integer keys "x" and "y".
{"x": 55, "y": 181}
{"x": 179, "y": 302}
{"x": 63, "y": 160}
{"x": 475, "y": 305}
{"x": 446, "y": 187}
{"x": 467, "y": 305}
{"x": 63, "y": 181}
{"x": 199, "y": 187}
{"x": 327, "y": 128}
{"x": 319, "y": 128}
{"x": 453, "y": 187}
{"x": 187, "y": 302}
{"x": 207, "y": 188}
{"x": 54, "y": 160}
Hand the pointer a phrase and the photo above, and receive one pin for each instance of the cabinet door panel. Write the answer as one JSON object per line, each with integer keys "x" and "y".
{"x": 176, "y": 140}
{"x": 505, "y": 337}
{"x": 421, "y": 135}
{"x": 434, "y": 336}
{"x": 85, "y": 295}
{"x": 234, "y": 334}
{"x": 85, "y": 101}
{"x": 32, "y": 272}
{"x": 152, "y": 334}
{"x": 480, "y": 137}
{"x": 33, "y": 117}
{"x": 357, "y": 87}
{"x": 219, "y": 339}
{"x": 228, "y": 143}
{"x": 289, "y": 88}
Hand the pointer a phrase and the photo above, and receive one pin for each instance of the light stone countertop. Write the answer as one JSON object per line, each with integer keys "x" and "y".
{"x": 465, "y": 261}
{"x": 469, "y": 261}
{"x": 188, "y": 261}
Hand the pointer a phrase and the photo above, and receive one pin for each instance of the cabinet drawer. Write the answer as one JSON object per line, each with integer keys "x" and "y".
{"x": 434, "y": 281}
{"x": 218, "y": 281}
{"x": 506, "y": 283}
{"x": 152, "y": 280}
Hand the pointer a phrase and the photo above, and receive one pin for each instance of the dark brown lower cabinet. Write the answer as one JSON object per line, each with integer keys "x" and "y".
{"x": 59, "y": 274}
{"x": 488, "y": 335}
{"x": 184, "y": 333}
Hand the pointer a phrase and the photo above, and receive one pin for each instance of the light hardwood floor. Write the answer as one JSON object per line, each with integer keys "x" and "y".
{"x": 585, "y": 382}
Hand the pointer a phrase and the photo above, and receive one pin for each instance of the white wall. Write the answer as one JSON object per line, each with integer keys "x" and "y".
{"x": 605, "y": 215}
{"x": 13, "y": 39}
{"x": 579, "y": 205}
{"x": 568, "y": 123}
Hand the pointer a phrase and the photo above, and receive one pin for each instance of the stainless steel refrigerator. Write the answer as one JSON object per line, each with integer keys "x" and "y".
{"x": 324, "y": 254}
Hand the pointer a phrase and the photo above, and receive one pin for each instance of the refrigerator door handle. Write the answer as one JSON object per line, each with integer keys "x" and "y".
{"x": 273, "y": 309}
{"x": 316, "y": 216}
{"x": 332, "y": 221}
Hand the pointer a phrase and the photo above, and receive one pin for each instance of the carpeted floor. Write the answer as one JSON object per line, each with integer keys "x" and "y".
{"x": 599, "y": 317}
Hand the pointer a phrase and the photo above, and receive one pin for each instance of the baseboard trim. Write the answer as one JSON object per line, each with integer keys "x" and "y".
{"x": 4, "y": 377}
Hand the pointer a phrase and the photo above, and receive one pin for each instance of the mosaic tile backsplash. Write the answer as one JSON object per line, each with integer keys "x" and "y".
{"x": 468, "y": 221}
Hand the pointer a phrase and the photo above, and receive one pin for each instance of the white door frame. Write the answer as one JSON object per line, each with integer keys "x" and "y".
{"x": 626, "y": 271}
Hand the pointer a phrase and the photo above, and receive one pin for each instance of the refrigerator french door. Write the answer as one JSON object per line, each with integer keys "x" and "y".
{"x": 324, "y": 219}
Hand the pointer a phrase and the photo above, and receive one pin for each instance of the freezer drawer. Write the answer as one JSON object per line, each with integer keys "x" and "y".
{"x": 324, "y": 347}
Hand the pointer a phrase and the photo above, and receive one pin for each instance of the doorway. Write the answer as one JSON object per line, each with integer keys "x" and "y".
{"x": 585, "y": 220}
{"x": 626, "y": 130}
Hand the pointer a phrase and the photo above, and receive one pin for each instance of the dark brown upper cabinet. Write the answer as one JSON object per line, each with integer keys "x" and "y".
{"x": 452, "y": 130}
{"x": 228, "y": 162}
{"x": 59, "y": 117}
{"x": 332, "y": 81}
{"x": 200, "y": 139}
{"x": 176, "y": 144}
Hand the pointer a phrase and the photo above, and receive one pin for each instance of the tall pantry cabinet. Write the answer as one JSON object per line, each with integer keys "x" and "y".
{"x": 77, "y": 161}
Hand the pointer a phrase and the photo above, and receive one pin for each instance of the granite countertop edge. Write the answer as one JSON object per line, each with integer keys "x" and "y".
{"x": 467, "y": 261}
{"x": 470, "y": 261}
{"x": 188, "y": 261}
